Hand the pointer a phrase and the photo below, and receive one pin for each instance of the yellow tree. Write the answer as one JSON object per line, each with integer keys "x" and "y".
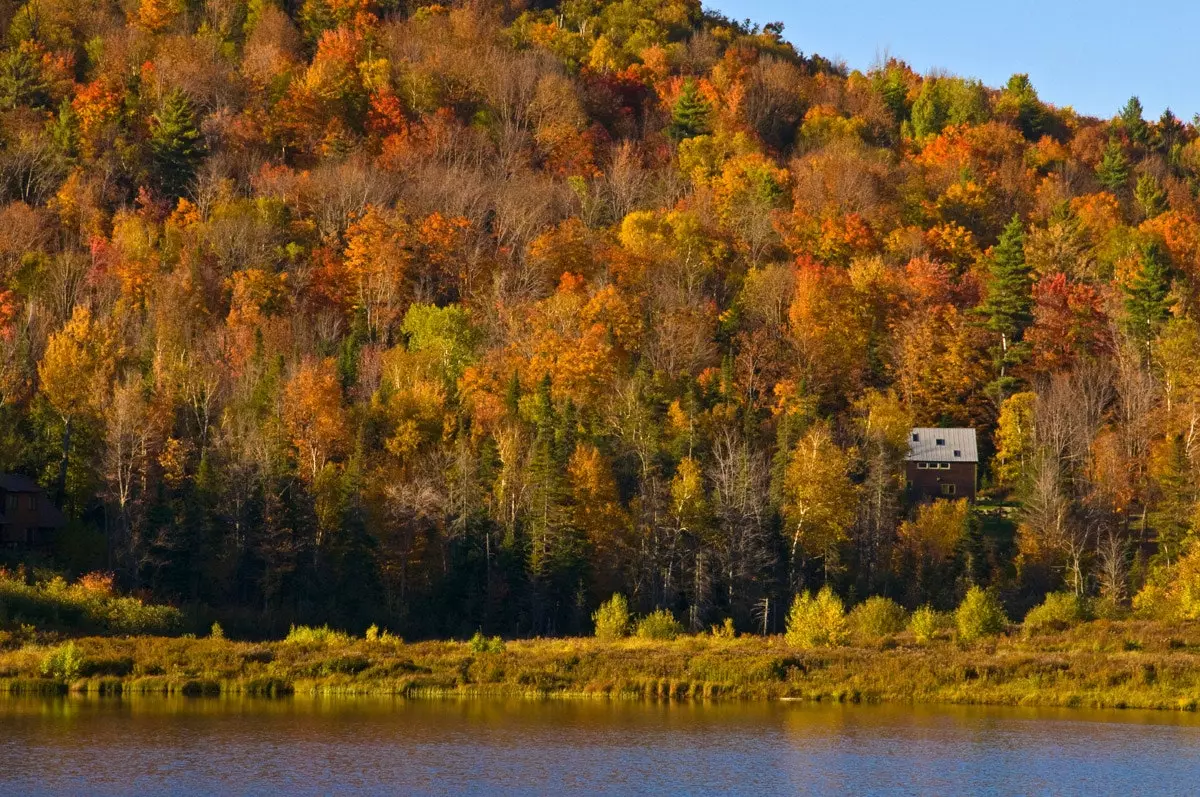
{"x": 75, "y": 375}
{"x": 1014, "y": 438}
{"x": 818, "y": 497}
{"x": 314, "y": 417}
{"x": 377, "y": 260}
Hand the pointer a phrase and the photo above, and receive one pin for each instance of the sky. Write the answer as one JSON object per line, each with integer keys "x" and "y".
{"x": 1091, "y": 56}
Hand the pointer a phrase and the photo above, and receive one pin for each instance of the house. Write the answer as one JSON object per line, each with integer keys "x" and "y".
{"x": 941, "y": 463}
{"x": 28, "y": 518}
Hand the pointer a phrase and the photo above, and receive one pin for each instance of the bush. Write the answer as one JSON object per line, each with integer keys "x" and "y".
{"x": 659, "y": 625}
{"x": 817, "y": 622}
{"x": 307, "y": 635}
{"x": 88, "y": 605}
{"x": 725, "y": 630}
{"x": 1060, "y": 611}
{"x": 612, "y": 618}
{"x": 925, "y": 624}
{"x": 878, "y": 617}
{"x": 64, "y": 662}
{"x": 980, "y": 614}
{"x": 216, "y": 632}
{"x": 481, "y": 644}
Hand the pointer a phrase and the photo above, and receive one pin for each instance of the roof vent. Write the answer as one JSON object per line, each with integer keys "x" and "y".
{"x": 916, "y": 437}
{"x": 957, "y": 453}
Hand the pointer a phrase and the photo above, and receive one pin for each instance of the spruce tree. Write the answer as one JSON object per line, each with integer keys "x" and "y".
{"x": 690, "y": 116}
{"x": 1146, "y": 294}
{"x": 175, "y": 145}
{"x": 1113, "y": 171}
{"x": 1009, "y": 304}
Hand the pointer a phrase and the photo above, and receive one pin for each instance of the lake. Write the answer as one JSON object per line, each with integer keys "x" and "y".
{"x": 302, "y": 746}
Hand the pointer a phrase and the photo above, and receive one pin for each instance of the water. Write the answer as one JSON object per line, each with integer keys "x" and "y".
{"x": 350, "y": 746}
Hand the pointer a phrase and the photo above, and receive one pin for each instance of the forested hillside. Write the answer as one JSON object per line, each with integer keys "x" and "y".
{"x": 458, "y": 317}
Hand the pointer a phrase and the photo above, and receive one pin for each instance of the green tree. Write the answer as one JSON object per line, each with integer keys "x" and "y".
{"x": 1008, "y": 308}
{"x": 1147, "y": 292}
{"x": 176, "y": 148}
{"x": 21, "y": 81}
{"x": 1131, "y": 120}
{"x": 1020, "y": 96}
{"x": 690, "y": 116}
{"x": 1113, "y": 171}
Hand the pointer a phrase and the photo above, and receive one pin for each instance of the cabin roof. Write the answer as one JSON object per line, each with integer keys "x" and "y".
{"x": 927, "y": 444}
{"x": 16, "y": 483}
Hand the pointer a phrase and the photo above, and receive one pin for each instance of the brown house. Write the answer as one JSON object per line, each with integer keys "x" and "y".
{"x": 28, "y": 519}
{"x": 941, "y": 463}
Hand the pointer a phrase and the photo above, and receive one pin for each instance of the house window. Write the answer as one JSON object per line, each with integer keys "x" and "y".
{"x": 31, "y": 502}
{"x": 943, "y": 466}
{"x": 947, "y": 489}
{"x": 916, "y": 437}
{"x": 10, "y": 502}
{"x": 957, "y": 453}
{"x": 922, "y": 466}
{"x": 940, "y": 441}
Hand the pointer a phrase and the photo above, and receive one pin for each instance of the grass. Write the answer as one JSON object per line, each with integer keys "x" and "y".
{"x": 1102, "y": 664}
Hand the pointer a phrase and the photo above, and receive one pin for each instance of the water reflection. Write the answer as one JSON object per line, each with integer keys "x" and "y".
{"x": 388, "y": 746}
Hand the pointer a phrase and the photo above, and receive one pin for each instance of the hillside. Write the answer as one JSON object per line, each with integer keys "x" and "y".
{"x": 458, "y": 317}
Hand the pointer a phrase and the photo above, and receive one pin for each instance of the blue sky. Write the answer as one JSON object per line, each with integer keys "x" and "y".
{"x": 1092, "y": 56}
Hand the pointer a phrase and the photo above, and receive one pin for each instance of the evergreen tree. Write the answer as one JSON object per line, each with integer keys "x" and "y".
{"x": 1150, "y": 197}
{"x": 1131, "y": 120}
{"x": 1175, "y": 508}
{"x": 1031, "y": 115}
{"x": 1113, "y": 171}
{"x": 1009, "y": 304}
{"x": 1146, "y": 293}
{"x": 175, "y": 145}
{"x": 21, "y": 81}
{"x": 690, "y": 116}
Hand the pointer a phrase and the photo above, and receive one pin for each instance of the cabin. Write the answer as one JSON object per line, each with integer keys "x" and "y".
{"x": 941, "y": 463}
{"x": 28, "y": 518}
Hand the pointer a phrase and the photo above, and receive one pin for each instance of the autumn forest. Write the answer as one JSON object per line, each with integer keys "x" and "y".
{"x": 461, "y": 317}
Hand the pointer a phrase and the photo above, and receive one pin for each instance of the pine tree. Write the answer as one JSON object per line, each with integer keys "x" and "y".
{"x": 1009, "y": 304}
{"x": 175, "y": 145}
{"x": 1113, "y": 171}
{"x": 21, "y": 81}
{"x": 690, "y": 116}
{"x": 1131, "y": 120}
{"x": 1146, "y": 293}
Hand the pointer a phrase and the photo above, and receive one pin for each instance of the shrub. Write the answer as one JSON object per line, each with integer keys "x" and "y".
{"x": 878, "y": 617}
{"x": 307, "y": 635}
{"x": 1060, "y": 610}
{"x": 660, "y": 624}
{"x": 612, "y": 618}
{"x": 925, "y": 624}
{"x": 481, "y": 644}
{"x": 725, "y": 630}
{"x": 64, "y": 662}
{"x": 817, "y": 622}
{"x": 980, "y": 614}
{"x": 216, "y": 632}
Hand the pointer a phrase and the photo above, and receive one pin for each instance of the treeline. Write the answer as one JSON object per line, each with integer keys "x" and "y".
{"x": 459, "y": 317}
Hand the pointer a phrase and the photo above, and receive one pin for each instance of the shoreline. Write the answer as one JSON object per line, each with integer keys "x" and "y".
{"x": 1098, "y": 665}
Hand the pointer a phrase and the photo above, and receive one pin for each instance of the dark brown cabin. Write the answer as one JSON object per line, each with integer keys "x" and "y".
{"x": 28, "y": 518}
{"x": 941, "y": 463}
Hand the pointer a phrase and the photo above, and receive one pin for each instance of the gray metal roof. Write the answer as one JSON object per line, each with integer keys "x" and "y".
{"x": 956, "y": 445}
{"x": 15, "y": 483}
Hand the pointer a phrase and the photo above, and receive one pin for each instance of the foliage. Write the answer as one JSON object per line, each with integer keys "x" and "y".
{"x": 877, "y": 617}
{"x": 925, "y": 624}
{"x": 659, "y": 624}
{"x": 1060, "y": 610}
{"x": 819, "y": 621}
{"x": 979, "y": 615}
{"x": 481, "y": 644}
{"x": 612, "y": 619}
{"x": 323, "y": 635}
{"x": 64, "y": 662}
{"x": 89, "y": 605}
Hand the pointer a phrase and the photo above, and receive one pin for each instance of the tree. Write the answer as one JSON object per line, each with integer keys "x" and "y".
{"x": 1147, "y": 293}
{"x": 1150, "y": 197}
{"x": 1008, "y": 308}
{"x": 75, "y": 375}
{"x": 1113, "y": 170}
{"x": 818, "y": 498}
{"x": 176, "y": 148}
{"x": 690, "y": 114}
{"x": 1131, "y": 120}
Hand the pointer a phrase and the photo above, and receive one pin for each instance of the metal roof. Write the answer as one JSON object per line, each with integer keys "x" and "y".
{"x": 15, "y": 483}
{"x": 942, "y": 445}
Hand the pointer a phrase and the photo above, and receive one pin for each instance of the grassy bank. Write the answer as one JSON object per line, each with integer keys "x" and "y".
{"x": 1104, "y": 664}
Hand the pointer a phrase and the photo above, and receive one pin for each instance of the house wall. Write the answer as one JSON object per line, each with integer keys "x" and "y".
{"x": 23, "y": 519}
{"x": 927, "y": 483}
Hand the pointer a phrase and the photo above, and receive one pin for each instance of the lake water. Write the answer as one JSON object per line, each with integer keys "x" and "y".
{"x": 350, "y": 746}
